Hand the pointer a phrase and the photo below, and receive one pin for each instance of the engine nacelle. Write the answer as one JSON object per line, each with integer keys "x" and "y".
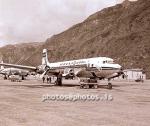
{"x": 68, "y": 73}
{"x": 41, "y": 69}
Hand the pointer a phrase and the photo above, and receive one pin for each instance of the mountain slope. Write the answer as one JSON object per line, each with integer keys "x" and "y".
{"x": 19, "y": 53}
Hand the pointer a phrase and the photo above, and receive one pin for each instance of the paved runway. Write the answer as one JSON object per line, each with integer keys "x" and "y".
{"x": 21, "y": 105}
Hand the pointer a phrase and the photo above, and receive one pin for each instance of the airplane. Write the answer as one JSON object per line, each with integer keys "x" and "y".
{"x": 13, "y": 71}
{"x": 92, "y": 68}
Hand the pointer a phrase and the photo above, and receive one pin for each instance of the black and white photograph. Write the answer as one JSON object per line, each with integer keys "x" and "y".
{"x": 74, "y": 62}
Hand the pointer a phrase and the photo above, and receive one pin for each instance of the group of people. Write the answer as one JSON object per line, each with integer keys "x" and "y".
{"x": 47, "y": 79}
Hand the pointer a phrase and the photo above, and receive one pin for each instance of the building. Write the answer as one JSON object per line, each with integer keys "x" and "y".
{"x": 133, "y": 74}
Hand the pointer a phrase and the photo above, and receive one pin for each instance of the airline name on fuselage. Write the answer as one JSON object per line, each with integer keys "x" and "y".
{"x": 81, "y": 62}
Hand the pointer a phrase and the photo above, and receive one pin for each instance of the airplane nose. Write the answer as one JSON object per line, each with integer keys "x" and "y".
{"x": 118, "y": 66}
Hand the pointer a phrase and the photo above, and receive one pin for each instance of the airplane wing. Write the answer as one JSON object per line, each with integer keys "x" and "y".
{"x": 31, "y": 68}
{"x": 69, "y": 71}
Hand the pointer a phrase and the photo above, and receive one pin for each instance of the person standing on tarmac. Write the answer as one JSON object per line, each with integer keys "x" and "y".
{"x": 43, "y": 78}
{"x": 47, "y": 79}
{"x": 50, "y": 79}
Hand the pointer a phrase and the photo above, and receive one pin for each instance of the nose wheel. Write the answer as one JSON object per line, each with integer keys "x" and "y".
{"x": 109, "y": 86}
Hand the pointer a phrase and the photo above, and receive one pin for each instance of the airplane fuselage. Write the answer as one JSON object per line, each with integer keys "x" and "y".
{"x": 10, "y": 71}
{"x": 99, "y": 66}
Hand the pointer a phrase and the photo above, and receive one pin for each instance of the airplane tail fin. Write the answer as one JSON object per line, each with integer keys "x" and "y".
{"x": 44, "y": 57}
{"x": 2, "y": 67}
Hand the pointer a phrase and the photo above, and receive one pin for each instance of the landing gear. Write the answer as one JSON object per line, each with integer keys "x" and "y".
{"x": 59, "y": 80}
{"x": 22, "y": 77}
{"x": 5, "y": 77}
{"x": 109, "y": 86}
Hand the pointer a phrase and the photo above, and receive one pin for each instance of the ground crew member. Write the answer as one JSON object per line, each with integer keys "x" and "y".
{"x": 43, "y": 79}
{"x": 47, "y": 79}
{"x": 50, "y": 79}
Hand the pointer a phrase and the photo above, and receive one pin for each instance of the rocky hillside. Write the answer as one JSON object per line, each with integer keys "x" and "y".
{"x": 19, "y": 53}
{"x": 121, "y": 32}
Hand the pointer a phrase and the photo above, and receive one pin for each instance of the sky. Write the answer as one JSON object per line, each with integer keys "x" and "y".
{"x": 37, "y": 20}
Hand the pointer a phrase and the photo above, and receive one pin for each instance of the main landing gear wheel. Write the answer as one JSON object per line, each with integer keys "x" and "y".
{"x": 22, "y": 77}
{"x": 59, "y": 80}
{"x": 109, "y": 86}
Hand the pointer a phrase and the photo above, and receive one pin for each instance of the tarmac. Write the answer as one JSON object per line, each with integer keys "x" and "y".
{"x": 21, "y": 104}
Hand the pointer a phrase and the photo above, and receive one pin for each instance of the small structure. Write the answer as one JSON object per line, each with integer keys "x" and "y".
{"x": 133, "y": 75}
